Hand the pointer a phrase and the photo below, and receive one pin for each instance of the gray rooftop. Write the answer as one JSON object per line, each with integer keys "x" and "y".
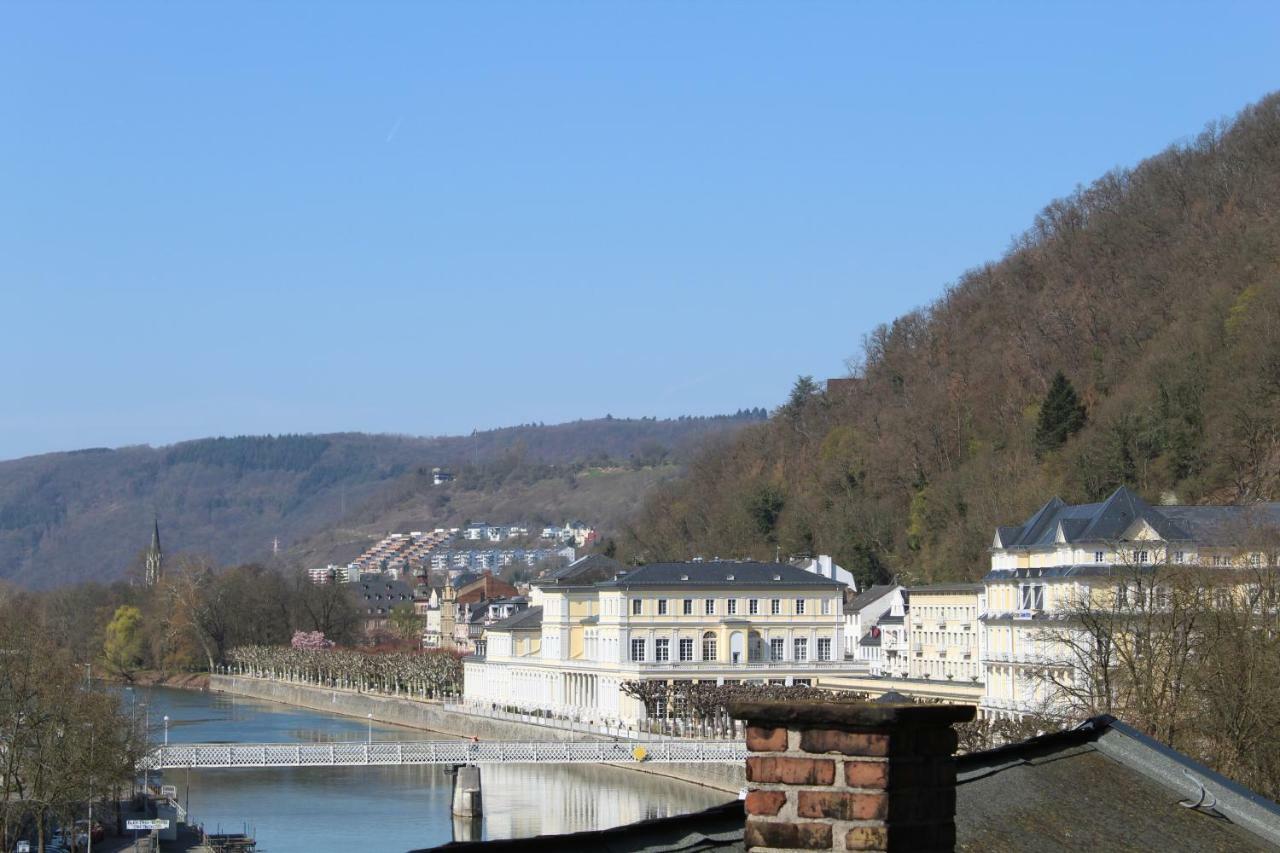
{"x": 874, "y": 593}
{"x": 584, "y": 571}
{"x": 720, "y": 573}
{"x": 1109, "y": 520}
{"x": 529, "y": 619}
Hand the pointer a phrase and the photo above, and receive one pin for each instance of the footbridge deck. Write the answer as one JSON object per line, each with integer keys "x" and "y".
{"x": 246, "y": 755}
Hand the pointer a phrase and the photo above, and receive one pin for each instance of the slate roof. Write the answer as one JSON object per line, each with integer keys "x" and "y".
{"x": 871, "y": 594}
{"x": 1109, "y": 520}
{"x": 870, "y": 639}
{"x": 1101, "y": 786}
{"x": 719, "y": 573}
{"x": 583, "y": 571}
{"x": 380, "y": 590}
{"x": 529, "y": 619}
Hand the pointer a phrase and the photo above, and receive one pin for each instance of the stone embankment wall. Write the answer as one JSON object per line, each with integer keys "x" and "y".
{"x": 437, "y": 718}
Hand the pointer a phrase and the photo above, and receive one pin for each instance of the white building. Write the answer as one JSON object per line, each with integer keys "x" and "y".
{"x": 823, "y": 565}
{"x": 601, "y": 624}
{"x": 862, "y": 612}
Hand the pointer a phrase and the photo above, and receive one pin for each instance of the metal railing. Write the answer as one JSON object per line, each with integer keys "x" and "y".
{"x": 246, "y": 755}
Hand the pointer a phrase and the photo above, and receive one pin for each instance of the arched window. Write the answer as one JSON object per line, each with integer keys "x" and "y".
{"x": 709, "y": 645}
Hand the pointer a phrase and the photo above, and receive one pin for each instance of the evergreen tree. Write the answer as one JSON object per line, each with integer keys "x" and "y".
{"x": 1062, "y": 415}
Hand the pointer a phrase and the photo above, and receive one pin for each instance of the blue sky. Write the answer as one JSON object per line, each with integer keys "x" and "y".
{"x": 425, "y": 218}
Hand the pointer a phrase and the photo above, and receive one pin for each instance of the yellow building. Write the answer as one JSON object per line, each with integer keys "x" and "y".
{"x": 944, "y": 632}
{"x": 1066, "y": 555}
{"x": 603, "y": 624}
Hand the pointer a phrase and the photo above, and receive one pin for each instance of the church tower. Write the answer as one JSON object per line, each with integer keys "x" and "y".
{"x": 155, "y": 557}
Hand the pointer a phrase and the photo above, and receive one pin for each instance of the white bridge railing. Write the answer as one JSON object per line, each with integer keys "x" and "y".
{"x": 217, "y": 755}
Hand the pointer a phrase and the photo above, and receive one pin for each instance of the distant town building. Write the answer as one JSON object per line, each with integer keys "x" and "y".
{"x": 440, "y": 476}
{"x": 375, "y": 597}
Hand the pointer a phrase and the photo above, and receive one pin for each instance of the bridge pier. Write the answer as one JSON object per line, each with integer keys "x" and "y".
{"x": 466, "y": 792}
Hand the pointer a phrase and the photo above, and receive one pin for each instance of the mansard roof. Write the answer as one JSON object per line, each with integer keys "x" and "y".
{"x": 1058, "y": 522}
{"x": 718, "y": 574}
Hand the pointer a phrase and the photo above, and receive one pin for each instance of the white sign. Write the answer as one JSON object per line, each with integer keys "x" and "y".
{"x": 23, "y": 847}
{"x": 162, "y": 823}
{"x": 170, "y": 791}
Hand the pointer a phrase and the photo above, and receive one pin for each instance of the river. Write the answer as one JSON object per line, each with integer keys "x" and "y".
{"x": 375, "y": 809}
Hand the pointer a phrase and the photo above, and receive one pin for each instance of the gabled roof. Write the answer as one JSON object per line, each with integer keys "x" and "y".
{"x": 529, "y": 619}
{"x": 719, "y": 574}
{"x": 1057, "y": 522}
{"x": 872, "y": 594}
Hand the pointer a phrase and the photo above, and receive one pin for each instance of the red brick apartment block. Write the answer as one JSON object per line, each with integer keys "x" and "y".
{"x": 851, "y": 775}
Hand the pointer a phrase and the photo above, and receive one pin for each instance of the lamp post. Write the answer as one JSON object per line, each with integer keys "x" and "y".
{"x": 89, "y": 834}
{"x": 166, "y": 729}
{"x": 370, "y": 715}
{"x": 146, "y": 736}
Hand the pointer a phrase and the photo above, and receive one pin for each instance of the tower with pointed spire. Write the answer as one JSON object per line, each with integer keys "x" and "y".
{"x": 155, "y": 557}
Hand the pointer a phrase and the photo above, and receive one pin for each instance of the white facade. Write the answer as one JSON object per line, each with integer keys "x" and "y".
{"x": 712, "y": 621}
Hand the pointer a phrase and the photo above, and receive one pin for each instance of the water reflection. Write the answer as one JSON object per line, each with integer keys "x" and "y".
{"x": 374, "y": 809}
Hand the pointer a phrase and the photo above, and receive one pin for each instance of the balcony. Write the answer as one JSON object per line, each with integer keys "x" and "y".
{"x": 1029, "y": 658}
{"x": 750, "y": 666}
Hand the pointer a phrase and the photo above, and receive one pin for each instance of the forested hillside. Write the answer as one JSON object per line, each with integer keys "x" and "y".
{"x": 1154, "y": 291}
{"x": 86, "y": 514}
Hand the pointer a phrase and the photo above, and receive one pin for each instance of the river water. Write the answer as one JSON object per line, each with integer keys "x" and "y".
{"x": 375, "y": 809}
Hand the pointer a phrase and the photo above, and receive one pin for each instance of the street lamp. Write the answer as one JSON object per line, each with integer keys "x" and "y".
{"x": 370, "y": 715}
{"x": 146, "y": 736}
{"x": 166, "y": 729}
{"x": 89, "y": 834}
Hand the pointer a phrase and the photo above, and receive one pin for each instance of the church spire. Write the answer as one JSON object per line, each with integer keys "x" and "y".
{"x": 155, "y": 557}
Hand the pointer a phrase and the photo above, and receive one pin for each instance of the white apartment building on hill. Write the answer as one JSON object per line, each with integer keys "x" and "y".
{"x": 601, "y": 624}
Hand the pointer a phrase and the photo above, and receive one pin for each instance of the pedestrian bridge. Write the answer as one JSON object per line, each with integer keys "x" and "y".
{"x": 351, "y": 754}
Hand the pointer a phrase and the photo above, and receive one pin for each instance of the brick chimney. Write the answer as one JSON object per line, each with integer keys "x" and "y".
{"x": 837, "y": 775}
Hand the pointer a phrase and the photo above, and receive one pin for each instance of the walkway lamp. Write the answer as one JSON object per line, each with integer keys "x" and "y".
{"x": 370, "y": 715}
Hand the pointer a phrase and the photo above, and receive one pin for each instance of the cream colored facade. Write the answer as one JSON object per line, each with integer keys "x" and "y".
{"x": 944, "y": 633}
{"x": 1064, "y": 555}
{"x": 719, "y": 621}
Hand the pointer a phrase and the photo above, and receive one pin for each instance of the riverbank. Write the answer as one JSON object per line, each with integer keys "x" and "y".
{"x": 156, "y": 678}
{"x": 433, "y": 716}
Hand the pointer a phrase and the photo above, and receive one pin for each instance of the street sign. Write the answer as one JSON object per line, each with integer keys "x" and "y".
{"x": 162, "y": 823}
{"x": 23, "y": 847}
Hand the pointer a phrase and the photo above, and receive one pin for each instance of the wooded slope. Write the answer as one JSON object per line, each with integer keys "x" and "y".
{"x": 86, "y": 515}
{"x": 1155, "y": 290}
